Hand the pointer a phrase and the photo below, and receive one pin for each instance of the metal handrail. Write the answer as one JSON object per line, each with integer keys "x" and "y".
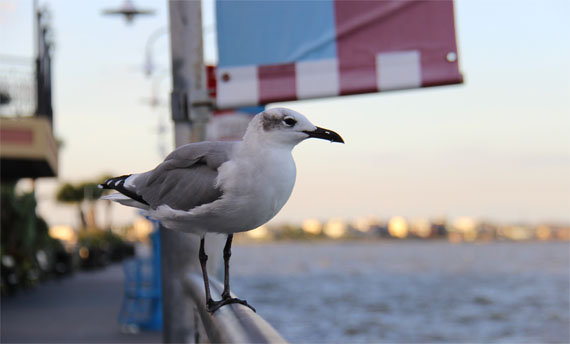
{"x": 234, "y": 323}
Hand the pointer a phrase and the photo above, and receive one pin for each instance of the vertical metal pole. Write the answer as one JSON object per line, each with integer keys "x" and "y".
{"x": 39, "y": 56}
{"x": 190, "y": 112}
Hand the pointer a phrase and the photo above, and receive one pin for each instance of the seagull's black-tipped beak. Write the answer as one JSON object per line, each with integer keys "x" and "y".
{"x": 325, "y": 134}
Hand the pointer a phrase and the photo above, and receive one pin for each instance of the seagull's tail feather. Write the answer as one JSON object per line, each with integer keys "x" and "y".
{"x": 124, "y": 200}
{"x": 127, "y": 195}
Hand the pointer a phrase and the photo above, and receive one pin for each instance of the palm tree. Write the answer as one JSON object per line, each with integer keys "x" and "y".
{"x": 79, "y": 194}
{"x": 91, "y": 193}
{"x": 70, "y": 194}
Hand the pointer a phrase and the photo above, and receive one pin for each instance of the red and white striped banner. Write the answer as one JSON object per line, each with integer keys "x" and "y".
{"x": 365, "y": 46}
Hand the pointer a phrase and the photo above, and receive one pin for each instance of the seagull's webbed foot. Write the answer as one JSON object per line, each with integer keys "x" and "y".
{"x": 213, "y": 306}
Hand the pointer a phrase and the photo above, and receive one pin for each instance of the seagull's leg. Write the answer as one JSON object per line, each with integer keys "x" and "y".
{"x": 203, "y": 259}
{"x": 227, "y": 255}
{"x": 226, "y": 297}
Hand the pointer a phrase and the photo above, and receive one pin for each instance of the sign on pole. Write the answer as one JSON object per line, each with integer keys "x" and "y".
{"x": 286, "y": 50}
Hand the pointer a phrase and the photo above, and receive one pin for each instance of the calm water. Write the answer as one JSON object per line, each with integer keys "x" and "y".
{"x": 408, "y": 291}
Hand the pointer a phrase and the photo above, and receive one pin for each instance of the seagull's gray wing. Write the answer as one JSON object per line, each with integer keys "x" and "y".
{"x": 186, "y": 178}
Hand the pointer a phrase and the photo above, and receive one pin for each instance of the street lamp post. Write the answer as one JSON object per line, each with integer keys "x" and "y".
{"x": 149, "y": 61}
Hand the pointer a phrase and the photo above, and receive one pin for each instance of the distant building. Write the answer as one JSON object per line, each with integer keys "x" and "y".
{"x": 335, "y": 228}
{"x": 439, "y": 227}
{"x": 398, "y": 227}
{"x": 312, "y": 226}
{"x": 486, "y": 231}
{"x": 544, "y": 232}
{"x": 260, "y": 233}
{"x": 563, "y": 233}
{"x": 516, "y": 232}
{"x": 365, "y": 224}
{"x": 421, "y": 228}
{"x": 463, "y": 229}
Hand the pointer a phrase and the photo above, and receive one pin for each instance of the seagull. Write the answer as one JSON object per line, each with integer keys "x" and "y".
{"x": 223, "y": 187}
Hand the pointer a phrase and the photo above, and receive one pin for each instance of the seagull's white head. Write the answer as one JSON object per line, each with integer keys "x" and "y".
{"x": 287, "y": 127}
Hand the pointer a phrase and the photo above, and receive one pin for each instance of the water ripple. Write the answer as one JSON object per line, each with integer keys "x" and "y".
{"x": 402, "y": 292}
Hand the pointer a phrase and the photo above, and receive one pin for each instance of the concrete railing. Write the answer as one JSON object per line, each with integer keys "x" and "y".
{"x": 233, "y": 323}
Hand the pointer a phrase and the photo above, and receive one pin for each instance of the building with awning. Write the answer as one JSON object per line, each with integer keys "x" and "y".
{"x": 28, "y": 148}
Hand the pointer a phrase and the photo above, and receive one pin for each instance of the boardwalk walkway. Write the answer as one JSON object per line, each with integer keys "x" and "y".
{"x": 82, "y": 308}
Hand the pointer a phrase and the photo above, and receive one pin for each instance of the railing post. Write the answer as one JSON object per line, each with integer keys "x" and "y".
{"x": 180, "y": 250}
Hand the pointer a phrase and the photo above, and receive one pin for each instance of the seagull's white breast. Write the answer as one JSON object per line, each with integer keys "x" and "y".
{"x": 256, "y": 186}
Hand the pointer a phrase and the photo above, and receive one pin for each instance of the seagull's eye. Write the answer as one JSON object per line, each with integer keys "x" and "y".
{"x": 289, "y": 122}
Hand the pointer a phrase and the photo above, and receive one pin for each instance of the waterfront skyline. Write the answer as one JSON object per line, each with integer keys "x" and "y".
{"x": 496, "y": 147}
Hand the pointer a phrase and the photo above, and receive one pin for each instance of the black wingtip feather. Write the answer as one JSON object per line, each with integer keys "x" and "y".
{"x": 118, "y": 183}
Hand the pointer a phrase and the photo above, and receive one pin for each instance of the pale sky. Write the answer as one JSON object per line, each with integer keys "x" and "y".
{"x": 496, "y": 147}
